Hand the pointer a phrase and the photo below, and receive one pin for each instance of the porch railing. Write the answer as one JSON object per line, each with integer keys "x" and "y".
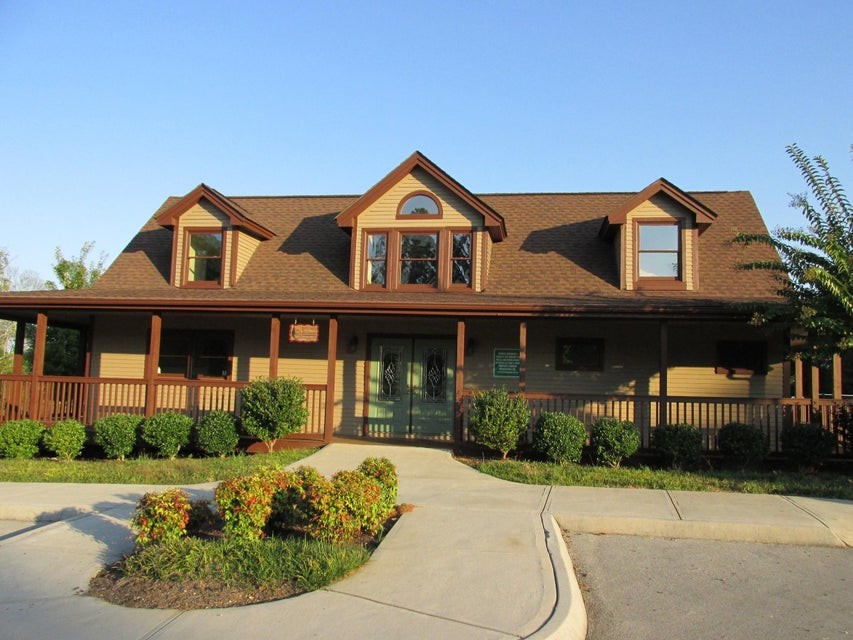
{"x": 708, "y": 414}
{"x": 88, "y": 399}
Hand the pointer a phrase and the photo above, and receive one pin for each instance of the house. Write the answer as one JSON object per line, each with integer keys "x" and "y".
{"x": 395, "y": 306}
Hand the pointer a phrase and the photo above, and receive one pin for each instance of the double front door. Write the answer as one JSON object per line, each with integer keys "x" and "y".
{"x": 411, "y": 386}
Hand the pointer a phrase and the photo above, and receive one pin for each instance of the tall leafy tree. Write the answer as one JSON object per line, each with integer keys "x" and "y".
{"x": 12, "y": 279}
{"x": 815, "y": 269}
{"x": 75, "y": 272}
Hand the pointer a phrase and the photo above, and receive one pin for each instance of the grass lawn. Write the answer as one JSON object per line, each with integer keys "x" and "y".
{"x": 144, "y": 470}
{"x": 822, "y": 485}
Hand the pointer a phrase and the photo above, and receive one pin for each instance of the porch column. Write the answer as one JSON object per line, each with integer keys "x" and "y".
{"x": 836, "y": 376}
{"x": 459, "y": 378}
{"x": 799, "y": 412}
{"x": 87, "y": 353}
{"x": 815, "y": 386}
{"x": 38, "y": 365}
{"x": 152, "y": 359}
{"x": 522, "y": 356}
{"x": 663, "y": 392}
{"x": 332, "y": 362}
{"x": 18, "y": 358}
{"x": 275, "y": 341}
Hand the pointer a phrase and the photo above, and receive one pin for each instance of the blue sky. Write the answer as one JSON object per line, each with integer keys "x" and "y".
{"x": 108, "y": 107}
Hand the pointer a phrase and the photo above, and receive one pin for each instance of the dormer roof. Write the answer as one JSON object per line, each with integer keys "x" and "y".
{"x": 238, "y": 216}
{"x": 492, "y": 220}
{"x": 704, "y": 216}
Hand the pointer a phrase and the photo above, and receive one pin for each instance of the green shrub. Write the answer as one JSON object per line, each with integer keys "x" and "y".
{"x": 216, "y": 434}
{"x": 272, "y": 408}
{"x": 161, "y": 517}
{"x": 498, "y": 421}
{"x": 843, "y": 423}
{"x": 742, "y": 444}
{"x": 559, "y": 437}
{"x": 807, "y": 444}
{"x": 385, "y": 473}
{"x": 167, "y": 432}
{"x": 117, "y": 434}
{"x": 350, "y": 505}
{"x": 679, "y": 445}
{"x": 20, "y": 438}
{"x": 245, "y": 503}
{"x": 66, "y": 439}
{"x": 613, "y": 440}
{"x": 293, "y": 506}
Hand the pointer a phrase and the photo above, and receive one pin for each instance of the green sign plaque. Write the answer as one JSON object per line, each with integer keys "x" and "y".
{"x": 506, "y": 363}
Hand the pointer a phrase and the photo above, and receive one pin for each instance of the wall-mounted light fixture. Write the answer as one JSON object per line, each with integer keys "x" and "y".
{"x": 352, "y": 346}
{"x": 471, "y": 347}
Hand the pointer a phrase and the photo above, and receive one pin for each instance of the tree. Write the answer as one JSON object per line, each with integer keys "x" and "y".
{"x": 11, "y": 279}
{"x": 75, "y": 272}
{"x": 815, "y": 269}
{"x": 63, "y": 351}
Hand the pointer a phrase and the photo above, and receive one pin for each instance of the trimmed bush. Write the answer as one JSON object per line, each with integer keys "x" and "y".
{"x": 843, "y": 423}
{"x": 679, "y": 445}
{"x": 807, "y": 444}
{"x": 167, "y": 432}
{"x": 20, "y": 438}
{"x": 161, "y": 517}
{"x": 272, "y": 408}
{"x": 613, "y": 440}
{"x": 117, "y": 434}
{"x": 216, "y": 434}
{"x": 350, "y": 505}
{"x": 559, "y": 437}
{"x": 66, "y": 439}
{"x": 385, "y": 473}
{"x": 498, "y": 421}
{"x": 742, "y": 444}
{"x": 245, "y": 503}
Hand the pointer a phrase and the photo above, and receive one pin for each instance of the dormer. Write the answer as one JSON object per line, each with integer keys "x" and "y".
{"x": 418, "y": 229}
{"x": 655, "y": 237}
{"x": 213, "y": 239}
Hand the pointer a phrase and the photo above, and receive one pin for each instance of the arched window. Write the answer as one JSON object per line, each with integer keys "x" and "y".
{"x": 419, "y": 205}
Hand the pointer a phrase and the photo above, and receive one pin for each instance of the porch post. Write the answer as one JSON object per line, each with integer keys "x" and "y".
{"x": 275, "y": 341}
{"x": 151, "y": 361}
{"x": 836, "y": 376}
{"x": 522, "y": 356}
{"x": 331, "y": 370}
{"x": 38, "y": 365}
{"x": 663, "y": 417}
{"x": 459, "y": 378}
{"x": 798, "y": 378}
{"x": 815, "y": 390}
{"x": 18, "y": 358}
{"x": 87, "y": 356}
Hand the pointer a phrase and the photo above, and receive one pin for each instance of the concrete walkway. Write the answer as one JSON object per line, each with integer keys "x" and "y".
{"x": 477, "y": 558}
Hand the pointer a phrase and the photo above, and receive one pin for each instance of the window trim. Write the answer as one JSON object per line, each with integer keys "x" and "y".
{"x": 420, "y": 216}
{"x": 558, "y": 347}
{"x": 185, "y": 259}
{"x": 398, "y": 263}
{"x": 659, "y": 283}
{"x": 444, "y": 257}
{"x": 191, "y": 357}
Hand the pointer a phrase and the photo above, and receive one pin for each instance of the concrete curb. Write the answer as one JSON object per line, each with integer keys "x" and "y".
{"x": 706, "y": 530}
{"x": 568, "y": 621}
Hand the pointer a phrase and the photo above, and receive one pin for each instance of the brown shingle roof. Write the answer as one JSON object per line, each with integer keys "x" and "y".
{"x": 552, "y": 259}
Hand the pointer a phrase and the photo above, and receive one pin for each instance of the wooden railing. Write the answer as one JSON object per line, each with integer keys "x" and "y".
{"x": 708, "y": 414}
{"x": 88, "y": 399}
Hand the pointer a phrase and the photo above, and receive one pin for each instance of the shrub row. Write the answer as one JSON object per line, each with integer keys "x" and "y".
{"x": 499, "y": 421}
{"x": 118, "y": 435}
{"x": 279, "y": 501}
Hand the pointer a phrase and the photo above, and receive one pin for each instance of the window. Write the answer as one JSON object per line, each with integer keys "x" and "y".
{"x": 580, "y": 354}
{"x": 658, "y": 251}
{"x": 460, "y": 260}
{"x": 419, "y": 205}
{"x": 377, "y": 259}
{"x": 741, "y": 357}
{"x": 419, "y": 259}
{"x": 203, "y": 262}
{"x": 196, "y": 354}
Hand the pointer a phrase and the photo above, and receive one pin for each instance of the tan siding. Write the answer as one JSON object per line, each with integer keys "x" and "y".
{"x": 246, "y": 245}
{"x": 485, "y": 261}
{"x": 119, "y": 345}
{"x": 660, "y": 207}
{"x": 202, "y": 215}
{"x": 356, "y": 242}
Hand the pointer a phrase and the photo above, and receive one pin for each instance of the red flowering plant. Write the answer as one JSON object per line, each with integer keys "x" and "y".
{"x": 161, "y": 517}
{"x": 245, "y": 503}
